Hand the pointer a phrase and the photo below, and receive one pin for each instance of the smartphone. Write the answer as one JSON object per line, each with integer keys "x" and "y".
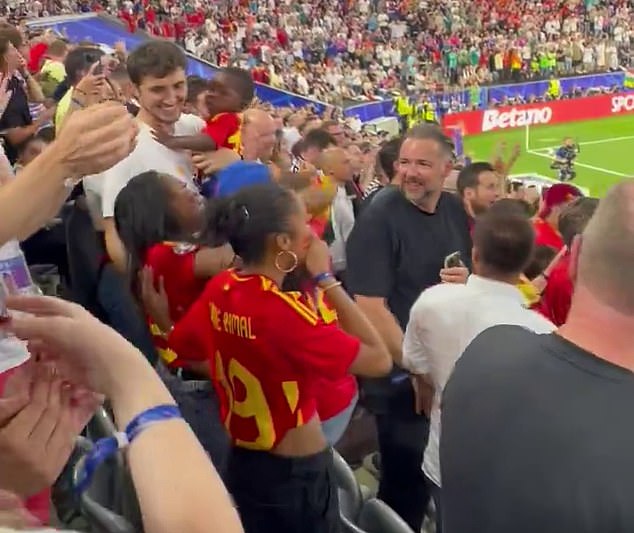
{"x": 453, "y": 260}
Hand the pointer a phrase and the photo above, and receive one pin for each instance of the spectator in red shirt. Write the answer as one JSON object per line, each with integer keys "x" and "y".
{"x": 556, "y": 297}
{"x": 230, "y": 92}
{"x": 546, "y": 223}
{"x": 156, "y": 217}
{"x": 269, "y": 350}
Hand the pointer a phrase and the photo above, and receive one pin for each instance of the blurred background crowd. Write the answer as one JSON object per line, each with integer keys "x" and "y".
{"x": 348, "y": 50}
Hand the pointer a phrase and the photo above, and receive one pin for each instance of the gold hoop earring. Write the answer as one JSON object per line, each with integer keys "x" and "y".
{"x": 295, "y": 261}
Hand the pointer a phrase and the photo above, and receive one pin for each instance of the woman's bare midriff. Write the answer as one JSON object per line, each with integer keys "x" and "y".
{"x": 302, "y": 441}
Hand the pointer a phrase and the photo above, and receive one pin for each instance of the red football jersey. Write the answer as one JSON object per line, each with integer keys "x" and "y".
{"x": 224, "y": 129}
{"x": 174, "y": 262}
{"x": 269, "y": 351}
{"x": 556, "y": 298}
{"x": 546, "y": 235}
{"x": 333, "y": 396}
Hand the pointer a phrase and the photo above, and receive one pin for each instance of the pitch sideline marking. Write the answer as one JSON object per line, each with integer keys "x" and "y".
{"x": 583, "y": 165}
{"x": 588, "y": 143}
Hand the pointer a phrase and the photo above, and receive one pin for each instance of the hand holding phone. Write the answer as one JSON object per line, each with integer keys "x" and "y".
{"x": 453, "y": 260}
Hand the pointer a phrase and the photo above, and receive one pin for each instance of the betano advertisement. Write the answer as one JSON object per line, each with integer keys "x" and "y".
{"x": 557, "y": 112}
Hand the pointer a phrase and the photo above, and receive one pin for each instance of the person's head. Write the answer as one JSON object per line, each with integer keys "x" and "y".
{"x": 512, "y": 205}
{"x": 575, "y": 217}
{"x": 335, "y": 162}
{"x": 335, "y": 129}
{"x": 568, "y": 142}
{"x": 503, "y": 244}
{"x": 425, "y": 160}
{"x": 15, "y": 37}
{"x": 479, "y": 187}
{"x": 266, "y": 226}
{"x": 197, "y": 92}
{"x": 9, "y": 56}
{"x": 387, "y": 158}
{"x": 33, "y": 146}
{"x": 230, "y": 91}
{"x": 157, "y": 71}
{"x": 555, "y": 200}
{"x": 356, "y": 158}
{"x": 542, "y": 257}
{"x": 121, "y": 83}
{"x": 602, "y": 257}
{"x": 153, "y": 208}
{"x": 57, "y": 50}
{"x": 314, "y": 143}
{"x": 258, "y": 134}
{"x": 79, "y": 60}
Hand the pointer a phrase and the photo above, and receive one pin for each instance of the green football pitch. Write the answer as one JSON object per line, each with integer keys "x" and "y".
{"x": 606, "y": 150}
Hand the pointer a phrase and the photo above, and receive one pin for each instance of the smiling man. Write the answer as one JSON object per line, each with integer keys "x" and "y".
{"x": 157, "y": 70}
{"x": 395, "y": 251}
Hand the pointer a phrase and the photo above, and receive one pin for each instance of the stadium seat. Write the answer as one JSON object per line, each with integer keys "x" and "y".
{"x": 377, "y": 517}
{"x": 349, "y": 492}
{"x": 99, "y": 517}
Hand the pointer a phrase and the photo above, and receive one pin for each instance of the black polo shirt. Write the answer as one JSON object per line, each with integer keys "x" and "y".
{"x": 537, "y": 436}
{"x": 16, "y": 115}
{"x": 396, "y": 251}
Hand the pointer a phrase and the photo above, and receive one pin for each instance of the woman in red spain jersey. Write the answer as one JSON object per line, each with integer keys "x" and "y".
{"x": 270, "y": 351}
{"x": 157, "y": 217}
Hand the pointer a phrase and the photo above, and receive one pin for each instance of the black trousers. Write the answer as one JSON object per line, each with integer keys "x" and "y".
{"x": 277, "y": 494}
{"x": 402, "y": 439}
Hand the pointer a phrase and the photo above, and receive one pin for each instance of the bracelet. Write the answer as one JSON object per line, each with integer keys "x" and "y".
{"x": 107, "y": 447}
{"x": 322, "y": 277}
{"x": 77, "y": 103}
{"x": 166, "y": 334}
{"x": 79, "y": 91}
{"x": 331, "y": 286}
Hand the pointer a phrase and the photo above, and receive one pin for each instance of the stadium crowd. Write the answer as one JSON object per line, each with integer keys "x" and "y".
{"x": 245, "y": 278}
{"x": 362, "y": 50}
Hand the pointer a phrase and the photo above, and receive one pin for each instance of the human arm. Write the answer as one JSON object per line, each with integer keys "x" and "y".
{"x": 212, "y": 162}
{"x": 80, "y": 341}
{"x": 33, "y": 89}
{"x": 373, "y": 358}
{"x": 210, "y": 261}
{"x": 114, "y": 247}
{"x": 96, "y": 139}
{"x": 370, "y": 275}
{"x": 194, "y": 143}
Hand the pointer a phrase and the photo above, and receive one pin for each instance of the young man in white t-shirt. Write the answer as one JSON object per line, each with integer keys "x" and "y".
{"x": 157, "y": 69}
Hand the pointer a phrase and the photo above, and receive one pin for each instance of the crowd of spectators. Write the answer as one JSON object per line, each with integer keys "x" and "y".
{"x": 362, "y": 50}
{"x": 323, "y": 255}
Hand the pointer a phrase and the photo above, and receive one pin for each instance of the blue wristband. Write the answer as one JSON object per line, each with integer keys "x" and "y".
{"x": 323, "y": 277}
{"x": 109, "y": 446}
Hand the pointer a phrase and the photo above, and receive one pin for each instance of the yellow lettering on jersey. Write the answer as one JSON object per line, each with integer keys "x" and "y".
{"x": 293, "y": 300}
{"x": 291, "y": 392}
{"x": 214, "y": 313}
{"x": 254, "y": 404}
{"x": 169, "y": 356}
{"x": 237, "y": 325}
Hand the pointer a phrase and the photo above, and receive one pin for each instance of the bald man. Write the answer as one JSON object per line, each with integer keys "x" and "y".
{"x": 258, "y": 135}
{"x": 537, "y": 430}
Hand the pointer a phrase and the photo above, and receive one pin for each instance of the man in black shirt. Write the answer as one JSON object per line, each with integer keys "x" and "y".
{"x": 537, "y": 431}
{"x": 395, "y": 251}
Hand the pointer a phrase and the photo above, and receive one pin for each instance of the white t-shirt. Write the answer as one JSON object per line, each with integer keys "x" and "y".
{"x": 443, "y": 321}
{"x": 150, "y": 155}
